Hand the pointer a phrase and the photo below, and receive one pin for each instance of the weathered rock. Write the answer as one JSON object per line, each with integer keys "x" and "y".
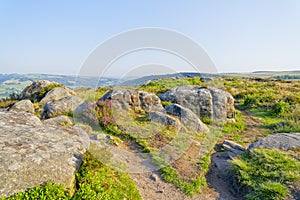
{"x": 62, "y": 106}
{"x": 84, "y": 114}
{"x": 59, "y": 120}
{"x": 223, "y": 104}
{"x": 187, "y": 118}
{"x": 23, "y": 105}
{"x": 205, "y": 102}
{"x": 233, "y": 147}
{"x": 55, "y": 94}
{"x": 164, "y": 119}
{"x": 12, "y": 118}
{"x": 32, "y": 154}
{"x": 36, "y": 90}
{"x": 126, "y": 98}
{"x": 284, "y": 141}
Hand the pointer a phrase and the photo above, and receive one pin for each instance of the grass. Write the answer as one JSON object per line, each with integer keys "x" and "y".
{"x": 189, "y": 187}
{"x": 283, "y": 123}
{"x": 268, "y": 172}
{"x": 91, "y": 95}
{"x": 161, "y": 85}
{"x": 192, "y": 186}
{"x": 238, "y": 126}
{"x": 46, "y": 191}
{"x": 7, "y": 103}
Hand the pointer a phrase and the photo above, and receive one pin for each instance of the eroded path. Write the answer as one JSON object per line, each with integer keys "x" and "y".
{"x": 221, "y": 184}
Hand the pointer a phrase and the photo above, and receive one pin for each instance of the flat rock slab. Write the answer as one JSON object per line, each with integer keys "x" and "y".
{"x": 284, "y": 141}
{"x": 32, "y": 154}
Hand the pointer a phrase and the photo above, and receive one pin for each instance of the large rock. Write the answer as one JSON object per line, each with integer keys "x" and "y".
{"x": 59, "y": 120}
{"x": 62, "y": 106}
{"x": 13, "y": 118}
{"x": 36, "y": 90}
{"x": 55, "y": 94}
{"x": 164, "y": 119}
{"x": 284, "y": 141}
{"x": 233, "y": 148}
{"x": 223, "y": 104}
{"x": 205, "y": 102}
{"x": 32, "y": 154}
{"x": 125, "y": 98}
{"x": 23, "y": 105}
{"x": 187, "y": 118}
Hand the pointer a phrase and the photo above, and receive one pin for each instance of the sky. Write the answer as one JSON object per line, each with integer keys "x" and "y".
{"x": 57, "y": 37}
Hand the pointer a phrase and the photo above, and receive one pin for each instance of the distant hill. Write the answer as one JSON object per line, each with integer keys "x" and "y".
{"x": 10, "y": 83}
{"x": 286, "y": 75}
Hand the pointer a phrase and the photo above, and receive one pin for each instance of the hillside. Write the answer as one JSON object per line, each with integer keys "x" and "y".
{"x": 170, "y": 138}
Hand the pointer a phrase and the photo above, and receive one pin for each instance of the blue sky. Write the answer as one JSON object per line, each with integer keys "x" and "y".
{"x": 239, "y": 35}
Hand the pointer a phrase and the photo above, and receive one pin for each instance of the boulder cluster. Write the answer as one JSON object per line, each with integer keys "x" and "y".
{"x": 34, "y": 150}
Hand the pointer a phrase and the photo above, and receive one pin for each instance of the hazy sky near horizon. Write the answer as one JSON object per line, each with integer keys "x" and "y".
{"x": 239, "y": 36}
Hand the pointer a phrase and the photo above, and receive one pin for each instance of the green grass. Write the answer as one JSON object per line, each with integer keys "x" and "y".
{"x": 161, "y": 85}
{"x": 238, "y": 126}
{"x": 43, "y": 192}
{"x": 267, "y": 172}
{"x": 189, "y": 187}
{"x": 290, "y": 120}
{"x": 91, "y": 95}
{"x": 7, "y": 103}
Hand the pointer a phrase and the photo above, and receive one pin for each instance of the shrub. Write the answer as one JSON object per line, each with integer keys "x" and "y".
{"x": 104, "y": 113}
{"x": 251, "y": 100}
{"x": 281, "y": 107}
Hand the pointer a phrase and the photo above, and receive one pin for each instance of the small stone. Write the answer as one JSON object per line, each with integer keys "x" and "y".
{"x": 154, "y": 177}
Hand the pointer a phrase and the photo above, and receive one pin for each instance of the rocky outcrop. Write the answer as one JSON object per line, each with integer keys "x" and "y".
{"x": 205, "y": 102}
{"x": 62, "y": 106}
{"x": 24, "y": 105}
{"x": 187, "y": 118}
{"x": 32, "y": 153}
{"x": 284, "y": 141}
{"x": 36, "y": 90}
{"x": 126, "y": 98}
{"x": 56, "y": 94}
